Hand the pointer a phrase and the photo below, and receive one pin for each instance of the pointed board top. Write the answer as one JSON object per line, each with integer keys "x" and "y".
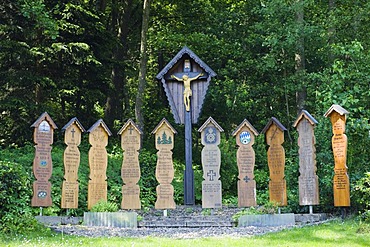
{"x": 127, "y": 124}
{"x": 44, "y": 116}
{"x": 164, "y": 121}
{"x": 72, "y": 121}
{"x": 179, "y": 55}
{"x": 97, "y": 123}
{"x": 273, "y": 120}
{"x": 336, "y": 108}
{"x": 210, "y": 120}
{"x": 248, "y": 125}
{"x": 306, "y": 115}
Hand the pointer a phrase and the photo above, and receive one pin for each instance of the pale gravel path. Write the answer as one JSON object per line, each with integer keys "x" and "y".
{"x": 178, "y": 233}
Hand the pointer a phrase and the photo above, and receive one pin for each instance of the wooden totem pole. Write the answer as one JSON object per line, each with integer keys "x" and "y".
{"x": 341, "y": 189}
{"x": 130, "y": 172}
{"x": 308, "y": 180}
{"x": 98, "y": 162}
{"x": 42, "y": 163}
{"x": 211, "y": 162}
{"x": 274, "y": 133}
{"x": 164, "y": 172}
{"x": 72, "y": 138}
{"x": 185, "y": 80}
{"x": 245, "y": 136}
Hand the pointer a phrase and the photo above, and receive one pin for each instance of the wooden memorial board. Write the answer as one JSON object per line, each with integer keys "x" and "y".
{"x": 211, "y": 163}
{"x": 130, "y": 172}
{"x": 42, "y": 164}
{"x": 308, "y": 180}
{"x": 186, "y": 62}
{"x": 341, "y": 187}
{"x": 274, "y": 133}
{"x": 164, "y": 172}
{"x": 98, "y": 162}
{"x": 245, "y": 136}
{"x": 72, "y": 137}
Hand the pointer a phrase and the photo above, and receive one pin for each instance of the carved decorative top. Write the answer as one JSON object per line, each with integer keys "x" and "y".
{"x": 307, "y": 115}
{"x": 44, "y": 116}
{"x": 210, "y": 120}
{"x": 164, "y": 121}
{"x": 127, "y": 124}
{"x": 248, "y": 125}
{"x": 74, "y": 121}
{"x": 101, "y": 123}
{"x": 178, "y": 56}
{"x": 273, "y": 120}
{"x": 336, "y": 108}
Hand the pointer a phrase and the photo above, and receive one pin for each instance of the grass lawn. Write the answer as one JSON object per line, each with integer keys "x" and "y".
{"x": 334, "y": 234}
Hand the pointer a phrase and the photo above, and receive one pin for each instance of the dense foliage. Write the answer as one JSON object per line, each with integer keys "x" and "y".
{"x": 272, "y": 58}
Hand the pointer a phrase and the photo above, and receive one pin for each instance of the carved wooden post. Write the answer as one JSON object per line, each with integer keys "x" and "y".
{"x": 245, "y": 136}
{"x": 98, "y": 162}
{"x": 72, "y": 138}
{"x": 308, "y": 180}
{"x": 338, "y": 116}
{"x": 42, "y": 163}
{"x": 274, "y": 133}
{"x": 164, "y": 172}
{"x": 185, "y": 80}
{"x": 130, "y": 172}
{"x": 211, "y": 162}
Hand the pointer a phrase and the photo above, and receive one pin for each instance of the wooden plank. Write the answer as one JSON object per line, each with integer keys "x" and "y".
{"x": 71, "y": 161}
{"x": 42, "y": 163}
{"x": 130, "y": 171}
{"x": 98, "y": 162}
{"x": 164, "y": 173}
{"x": 308, "y": 180}
{"x": 339, "y": 145}
{"x": 276, "y": 163}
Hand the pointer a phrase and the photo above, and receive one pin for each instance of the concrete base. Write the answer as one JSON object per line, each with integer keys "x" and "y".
{"x": 267, "y": 220}
{"x": 110, "y": 219}
{"x": 59, "y": 220}
{"x": 309, "y": 218}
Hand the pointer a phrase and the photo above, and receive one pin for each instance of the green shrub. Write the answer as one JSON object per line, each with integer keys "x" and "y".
{"x": 104, "y": 206}
{"x": 15, "y": 196}
{"x": 361, "y": 193}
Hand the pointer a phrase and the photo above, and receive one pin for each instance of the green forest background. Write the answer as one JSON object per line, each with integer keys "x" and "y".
{"x": 95, "y": 59}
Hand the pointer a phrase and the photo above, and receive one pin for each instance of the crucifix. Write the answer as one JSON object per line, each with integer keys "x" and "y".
{"x": 185, "y": 80}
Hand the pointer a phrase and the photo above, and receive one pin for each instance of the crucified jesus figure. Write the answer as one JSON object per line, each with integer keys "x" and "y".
{"x": 187, "y": 89}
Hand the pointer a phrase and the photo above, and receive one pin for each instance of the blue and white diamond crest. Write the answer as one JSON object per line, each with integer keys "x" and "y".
{"x": 245, "y": 137}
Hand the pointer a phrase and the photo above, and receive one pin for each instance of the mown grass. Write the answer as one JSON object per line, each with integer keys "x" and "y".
{"x": 333, "y": 234}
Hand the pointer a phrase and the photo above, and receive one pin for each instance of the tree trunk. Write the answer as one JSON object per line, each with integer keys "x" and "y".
{"x": 331, "y": 30}
{"x": 300, "y": 64}
{"x": 143, "y": 66}
{"x": 117, "y": 99}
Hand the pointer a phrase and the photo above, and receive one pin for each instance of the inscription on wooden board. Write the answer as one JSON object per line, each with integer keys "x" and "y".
{"x": 98, "y": 162}
{"x": 274, "y": 132}
{"x": 130, "y": 171}
{"x": 72, "y": 138}
{"x": 308, "y": 180}
{"x": 245, "y": 136}
{"x": 42, "y": 163}
{"x": 164, "y": 172}
{"x": 211, "y": 163}
{"x": 341, "y": 187}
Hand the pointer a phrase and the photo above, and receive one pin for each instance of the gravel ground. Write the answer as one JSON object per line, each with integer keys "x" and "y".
{"x": 178, "y": 233}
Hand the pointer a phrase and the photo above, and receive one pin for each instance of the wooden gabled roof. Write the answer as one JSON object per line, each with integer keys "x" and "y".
{"x": 97, "y": 123}
{"x": 128, "y": 123}
{"x": 178, "y": 56}
{"x": 72, "y": 121}
{"x": 164, "y": 121}
{"x": 44, "y": 116}
{"x": 245, "y": 123}
{"x": 212, "y": 121}
{"x": 306, "y": 115}
{"x": 276, "y": 122}
{"x": 336, "y": 108}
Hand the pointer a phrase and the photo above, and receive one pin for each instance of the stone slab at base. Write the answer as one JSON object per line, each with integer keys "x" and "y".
{"x": 309, "y": 218}
{"x": 59, "y": 220}
{"x": 111, "y": 219}
{"x": 267, "y": 220}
